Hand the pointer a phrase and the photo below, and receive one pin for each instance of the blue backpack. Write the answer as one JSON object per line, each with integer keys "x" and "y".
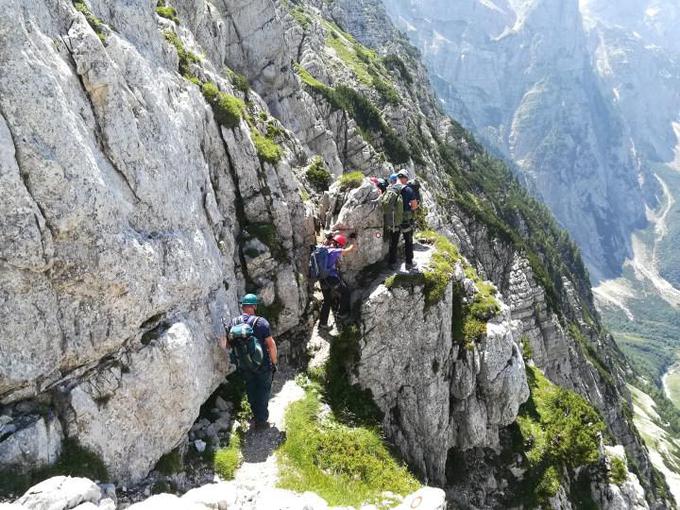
{"x": 246, "y": 351}
{"x": 318, "y": 264}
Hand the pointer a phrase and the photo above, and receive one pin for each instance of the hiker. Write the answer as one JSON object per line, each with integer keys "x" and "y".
{"x": 324, "y": 267}
{"x": 400, "y": 221}
{"x": 253, "y": 351}
{"x": 379, "y": 183}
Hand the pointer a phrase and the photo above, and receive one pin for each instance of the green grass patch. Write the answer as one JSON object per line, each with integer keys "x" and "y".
{"x": 239, "y": 81}
{"x": 95, "y": 23}
{"x": 228, "y": 459}
{"x": 185, "y": 57}
{"x": 267, "y": 149}
{"x": 227, "y": 109}
{"x": 318, "y": 175}
{"x": 345, "y": 465}
{"x": 168, "y": 13}
{"x": 350, "y": 180}
{"x": 299, "y": 15}
{"x": 559, "y": 431}
{"x": 74, "y": 460}
{"x": 618, "y": 471}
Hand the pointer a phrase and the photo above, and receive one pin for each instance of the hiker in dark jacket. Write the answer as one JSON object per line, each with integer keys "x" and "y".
{"x": 259, "y": 381}
{"x": 333, "y": 284}
{"x": 407, "y": 225}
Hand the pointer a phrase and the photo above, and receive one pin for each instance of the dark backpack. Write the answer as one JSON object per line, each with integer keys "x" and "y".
{"x": 415, "y": 186}
{"x": 246, "y": 351}
{"x": 318, "y": 264}
{"x": 393, "y": 206}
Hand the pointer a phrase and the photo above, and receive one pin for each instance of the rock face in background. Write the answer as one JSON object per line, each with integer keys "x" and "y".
{"x": 131, "y": 222}
{"x": 519, "y": 74}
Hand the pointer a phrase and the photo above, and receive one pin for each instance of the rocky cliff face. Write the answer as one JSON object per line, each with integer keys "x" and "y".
{"x": 520, "y": 75}
{"x": 145, "y": 184}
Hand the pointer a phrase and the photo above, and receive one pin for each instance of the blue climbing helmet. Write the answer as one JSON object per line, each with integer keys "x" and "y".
{"x": 249, "y": 299}
{"x": 393, "y": 178}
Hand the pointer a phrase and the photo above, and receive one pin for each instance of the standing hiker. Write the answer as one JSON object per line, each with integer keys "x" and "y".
{"x": 399, "y": 203}
{"x": 253, "y": 351}
{"x": 323, "y": 266}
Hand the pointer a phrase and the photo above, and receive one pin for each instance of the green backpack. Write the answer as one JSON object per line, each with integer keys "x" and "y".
{"x": 246, "y": 351}
{"x": 393, "y": 207}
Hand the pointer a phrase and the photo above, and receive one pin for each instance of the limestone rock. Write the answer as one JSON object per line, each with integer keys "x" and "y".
{"x": 61, "y": 493}
{"x": 36, "y": 445}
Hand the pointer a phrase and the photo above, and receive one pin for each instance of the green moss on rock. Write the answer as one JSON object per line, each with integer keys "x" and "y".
{"x": 227, "y": 109}
{"x": 350, "y": 180}
{"x": 267, "y": 149}
{"x": 92, "y": 20}
{"x": 318, "y": 175}
{"x": 185, "y": 57}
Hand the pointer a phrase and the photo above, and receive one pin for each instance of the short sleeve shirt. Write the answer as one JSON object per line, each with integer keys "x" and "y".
{"x": 334, "y": 255}
{"x": 262, "y": 331}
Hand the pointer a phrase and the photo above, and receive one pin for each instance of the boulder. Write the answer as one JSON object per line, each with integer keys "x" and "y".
{"x": 34, "y": 446}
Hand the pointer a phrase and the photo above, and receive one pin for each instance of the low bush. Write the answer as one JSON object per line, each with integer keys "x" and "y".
{"x": 227, "y": 460}
{"x": 267, "y": 149}
{"x": 185, "y": 57}
{"x": 318, "y": 175}
{"x": 168, "y": 13}
{"x": 350, "y": 180}
{"x": 227, "y": 109}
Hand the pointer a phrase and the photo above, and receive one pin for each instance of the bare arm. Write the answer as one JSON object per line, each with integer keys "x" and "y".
{"x": 270, "y": 344}
{"x": 349, "y": 249}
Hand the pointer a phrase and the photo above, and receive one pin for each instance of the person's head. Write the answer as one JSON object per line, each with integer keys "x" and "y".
{"x": 393, "y": 178}
{"x": 339, "y": 241}
{"x": 402, "y": 175}
{"x": 249, "y": 303}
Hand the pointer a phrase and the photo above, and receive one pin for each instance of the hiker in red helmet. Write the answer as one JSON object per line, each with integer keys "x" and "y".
{"x": 332, "y": 284}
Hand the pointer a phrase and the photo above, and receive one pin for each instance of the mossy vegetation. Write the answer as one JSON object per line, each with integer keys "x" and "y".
{"x": 485, "y": 189}
{"x": 74, "y": 460}
{"x": 394, "y": 63}
{"x": 228, "y": 459}
{"x": 239, "y": 81}
{"x": 227, "y": 109}
{"x": 166, "y": 11}
{"x": 618, "y": 471}
{"x": 318, "y": 175}
{"x": 299, "y": 15}
{"x": 267, "y": 149}
{"x": 185, "y": 57}
{"x": 366, "y": 115}
{"x": 560, "y": 431}
{"x": 350, "y": 180}
{"x": 345, "y": 465}
{"x": 92, "y": 20}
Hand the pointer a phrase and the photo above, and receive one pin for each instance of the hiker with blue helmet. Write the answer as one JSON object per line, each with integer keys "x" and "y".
{"x": 253, "y": 351}
{"x": 399, "y": 204}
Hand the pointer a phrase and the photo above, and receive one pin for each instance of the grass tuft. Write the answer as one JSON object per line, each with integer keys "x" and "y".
{"x": 228, "y": 459}
{"x": 350, "y": 180}
{"x": 267, "y": 149}
{"x": 618, "y": 471}
{"x": 228, "y": 109}
{"x": 168, "y": 13}
{"x": 347, "y": 466}
{"x": 92, "y": 20}
{"x": 185, "y": 57}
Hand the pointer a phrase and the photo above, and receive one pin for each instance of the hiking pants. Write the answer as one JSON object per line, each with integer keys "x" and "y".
{"x": 258, "y": 389}
{"x": 407, "y": 230}
{"x": 334, "y": 289}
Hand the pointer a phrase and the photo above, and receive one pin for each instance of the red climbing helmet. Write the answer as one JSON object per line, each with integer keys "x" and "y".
{"x": 340, "y": 240}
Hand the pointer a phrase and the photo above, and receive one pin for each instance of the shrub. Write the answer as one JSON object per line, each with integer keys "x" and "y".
{"x": 227, "y": 460}
{"x": 267, "y": 149}
{"x": 301, "y": 17}
{"x": 317, "y": 175}
{"x": 559, "y": 430}
{"x": 618, "y": 471}
{"x": 394, "y": 63}
{"x": 240, "y": 82}
{"x": 185, "y": 57}
{"x": 350, "y": 180}
{"x": 167, "y": 12}
{"x": 386, "y": 91}
{"x": 228, "y": 109}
